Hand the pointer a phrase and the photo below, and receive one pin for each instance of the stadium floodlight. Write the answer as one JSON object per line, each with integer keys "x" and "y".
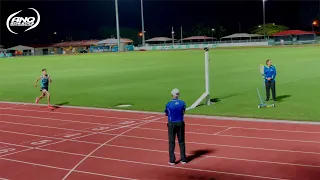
{"x": 315, "y": 23}
{"x": 206, "y": 95}
{"x": 117, "y": 24}
{"x": 142, "y": 24}
{"x": 264, "y": 18}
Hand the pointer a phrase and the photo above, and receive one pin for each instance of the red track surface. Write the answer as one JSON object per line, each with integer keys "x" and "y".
{"x": 74, "y": 143}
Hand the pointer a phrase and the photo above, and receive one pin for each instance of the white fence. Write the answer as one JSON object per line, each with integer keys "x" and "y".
{"x": 199, "y": 46}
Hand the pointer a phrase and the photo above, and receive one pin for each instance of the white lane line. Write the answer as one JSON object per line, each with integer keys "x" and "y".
{"x": 222, "y": 131}
{"x": 65, "y": 120}
{"x": 198, "y": 160}
{"x": 78, "y": 137}
{"x": 106, "y": 143}
{"x": 186, "y": 132}
{"x": 53, "y": 167}
{"x": 143, "y": 149}
{"x": 214, "y": 118}
{"x": 64, "y": 140}
{"x": 189, "y": 124}
{"x": 223, "y": 145}
{"x": 15, "y": 152}
{"x": 18, "y": 145}
{"x": 50, "y": 127}
{"x": 160, "y": 151}
{"x": 74, "y": 114}
{"x": 249, "y": 137}
{"x": 249, "y": 128}
{"x": 150, "y": 164}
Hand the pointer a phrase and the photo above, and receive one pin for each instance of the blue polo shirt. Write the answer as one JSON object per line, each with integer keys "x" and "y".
{"x": 270, "y": 72}
{"x": 175, "y": 110}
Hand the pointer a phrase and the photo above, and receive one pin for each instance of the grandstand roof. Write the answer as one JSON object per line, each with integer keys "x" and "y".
{"x": 159, "y": 39}
{"x": 291, "y": 32}
{"x": 40, "y": 45}
{"x": 114, "y": 41}
{"x": 198, "y": 38}
{"x": 241, "y": 35}
{"x": 75, "y": 43}
{"x": 20, "y": 48}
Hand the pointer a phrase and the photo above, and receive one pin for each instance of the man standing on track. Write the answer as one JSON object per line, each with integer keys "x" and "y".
{"x": 175, "y": 110}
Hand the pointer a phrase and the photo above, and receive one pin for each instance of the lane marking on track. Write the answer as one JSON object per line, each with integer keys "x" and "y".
{"x": 222, "y": 131}
{"x": 136, "y": 112}
{"x": 73, "y": 114}
{"x": 223, "y": 145}
{"x": 71, "y": 121}
{"x": 45, "y": 142}
{"x": 67, "y": 175}
{"x": 58, "y": 168}
{"x": 159, "y": 165}
{"x": 189, "y": 124}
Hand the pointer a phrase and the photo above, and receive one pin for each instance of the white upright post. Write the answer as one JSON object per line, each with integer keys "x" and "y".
{"x": 206, "y": 95}
{"x": 206, "y": 65}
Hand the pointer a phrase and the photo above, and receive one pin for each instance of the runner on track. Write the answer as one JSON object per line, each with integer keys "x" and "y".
{"x": 45, "y": 80}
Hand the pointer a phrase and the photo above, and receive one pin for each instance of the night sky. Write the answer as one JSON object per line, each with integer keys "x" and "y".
{"x": 84, "y": 19}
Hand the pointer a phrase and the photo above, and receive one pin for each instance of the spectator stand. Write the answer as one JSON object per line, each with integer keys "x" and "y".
{"x": 111, "y": 45}
{"x": 242, "y": 38}
{"x": 21, "y": 50}
{"x": 73, "y": 47}
{"x": 159, "y": 41}
{"x": 198, "y": 40}
{"x": 291, "y": 37}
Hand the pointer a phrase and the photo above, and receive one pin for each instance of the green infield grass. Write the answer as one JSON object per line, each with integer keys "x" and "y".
{"x": 145, "y": 79}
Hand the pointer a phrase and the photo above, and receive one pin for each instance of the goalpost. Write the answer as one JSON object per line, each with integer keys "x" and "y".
{"x": 206, "y": 95}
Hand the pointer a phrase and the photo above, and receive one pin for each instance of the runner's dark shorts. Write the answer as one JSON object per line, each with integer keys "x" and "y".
{"x": 46, "y": 88}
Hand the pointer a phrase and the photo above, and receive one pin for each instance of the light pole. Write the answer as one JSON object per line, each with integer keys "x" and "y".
{"x": 212, "y": 30}
{"x": 141, "y": 35}
{"x": 172, "y": 37}
{"x": 264, "y": 18}
{"x": 117, "y": 23}
{"x": 142, "y": 24}
{"x": 314, "y": 23}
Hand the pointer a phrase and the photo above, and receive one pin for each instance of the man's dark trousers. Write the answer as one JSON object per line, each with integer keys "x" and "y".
{"x": 271, "y": 85}
{"x": 177, "y": 129}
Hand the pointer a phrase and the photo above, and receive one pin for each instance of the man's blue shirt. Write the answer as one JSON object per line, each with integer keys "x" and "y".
{"x": 175, "y": 110}
{"x": 270, "y": 72}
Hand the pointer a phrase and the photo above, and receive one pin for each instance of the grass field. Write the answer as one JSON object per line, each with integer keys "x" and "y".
{"x": 145, "y": 79}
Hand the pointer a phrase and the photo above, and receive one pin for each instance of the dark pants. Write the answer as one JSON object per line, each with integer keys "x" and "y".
{"x": 176, "y": 129}
{"x": 270, "y": 85}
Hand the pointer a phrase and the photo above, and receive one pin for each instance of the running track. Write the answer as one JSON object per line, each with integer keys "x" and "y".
{"x": 77, "y": 144}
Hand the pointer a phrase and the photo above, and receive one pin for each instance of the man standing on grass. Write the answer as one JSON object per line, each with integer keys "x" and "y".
{"x": 175, "y": 110}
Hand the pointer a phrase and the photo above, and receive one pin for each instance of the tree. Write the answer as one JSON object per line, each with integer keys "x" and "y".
{"x": 271, "y": 28}
{"x": 201, "y": 30}
{"x": 219, "y": 32}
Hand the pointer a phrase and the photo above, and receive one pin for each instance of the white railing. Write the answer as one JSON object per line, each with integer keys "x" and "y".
{"x": 209, "y": 42}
